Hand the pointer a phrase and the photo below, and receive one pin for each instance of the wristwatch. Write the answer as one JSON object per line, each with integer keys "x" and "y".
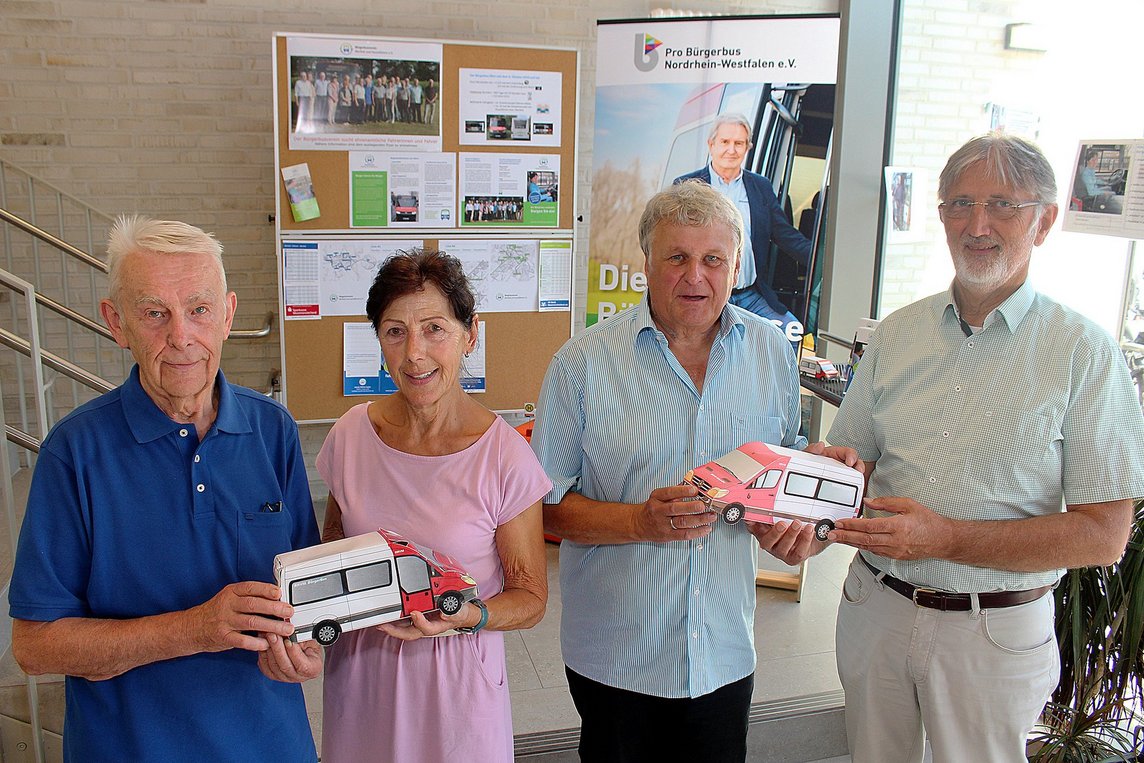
{"x": 481, "y": 623}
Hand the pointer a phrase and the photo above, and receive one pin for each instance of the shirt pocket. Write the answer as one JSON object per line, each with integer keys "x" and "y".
{"x": 261, "y": 536}
{"x": 1016, "y": 450}
{"x": 756, "y": 427}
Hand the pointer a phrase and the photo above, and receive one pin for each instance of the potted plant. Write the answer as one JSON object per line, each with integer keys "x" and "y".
{"x": 1100, "y": 628}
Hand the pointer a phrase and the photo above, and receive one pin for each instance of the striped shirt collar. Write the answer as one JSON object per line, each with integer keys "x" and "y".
{"x": 1013, "y": 310}
{"x": 642, "y": 322}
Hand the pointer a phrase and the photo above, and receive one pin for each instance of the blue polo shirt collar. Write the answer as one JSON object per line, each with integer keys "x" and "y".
{"x": 148, "y": 422}
{"x": 729, "y": 322}
{"x": 1012, "y": 311}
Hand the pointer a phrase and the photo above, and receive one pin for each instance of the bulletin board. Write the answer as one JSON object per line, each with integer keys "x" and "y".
{"x": 519, "y": 345}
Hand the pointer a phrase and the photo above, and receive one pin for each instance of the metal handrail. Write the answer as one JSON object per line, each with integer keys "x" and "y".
{"x": 21, "y": 438}
{"x": 58, "y": 191}
{"x": 48, "y": 238}
{"x": 56, "y": 363}
{"x": 254, "y": 333}
{"x": 847, "y": 343}
{"x": 86, "y": 258}
{"x": 80, "y": 318}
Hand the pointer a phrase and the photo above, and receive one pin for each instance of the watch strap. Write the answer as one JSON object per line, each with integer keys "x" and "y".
{"x": 481, "y": 623}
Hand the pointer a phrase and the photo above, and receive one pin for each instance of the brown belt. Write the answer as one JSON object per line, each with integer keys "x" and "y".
{"x": 956, "y": 602}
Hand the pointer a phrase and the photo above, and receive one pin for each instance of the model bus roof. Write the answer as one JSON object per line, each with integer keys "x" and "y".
{"x": 764, "y": 454}
{"x": 365, "y": 542}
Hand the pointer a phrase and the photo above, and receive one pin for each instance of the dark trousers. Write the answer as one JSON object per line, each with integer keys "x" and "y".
{"x": 620, "y": 726}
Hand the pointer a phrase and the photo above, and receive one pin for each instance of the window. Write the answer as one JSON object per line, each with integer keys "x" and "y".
{"x": 837, "y": 492}
{"x": 377, "y": 575}
{"x": 313, "y": 589}
{"x": 413, "y": 574}
{"x": 801, "y": 485}
{"x": 769, "y": 479}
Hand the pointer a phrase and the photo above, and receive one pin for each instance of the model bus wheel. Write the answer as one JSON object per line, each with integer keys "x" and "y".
{"x": 327, "y": 632}
{"x": 450, "y": 603}
{"x": 733, "y": 513}
{"x": 822, "y": 527}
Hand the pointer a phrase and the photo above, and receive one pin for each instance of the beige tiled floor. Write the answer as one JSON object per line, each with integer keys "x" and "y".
{"x": 794, "y": 641}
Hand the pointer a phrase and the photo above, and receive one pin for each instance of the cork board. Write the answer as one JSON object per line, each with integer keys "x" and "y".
{"x": 519, "y": 345}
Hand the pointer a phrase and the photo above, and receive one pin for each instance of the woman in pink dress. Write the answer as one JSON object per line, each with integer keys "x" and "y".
{"x": 434, "y": 465}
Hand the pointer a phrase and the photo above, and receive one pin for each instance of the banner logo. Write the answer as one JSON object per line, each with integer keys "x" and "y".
{"x": 646, "y": 57}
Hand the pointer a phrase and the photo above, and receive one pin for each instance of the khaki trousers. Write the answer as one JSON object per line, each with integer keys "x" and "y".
{"x": 973, "y": 682}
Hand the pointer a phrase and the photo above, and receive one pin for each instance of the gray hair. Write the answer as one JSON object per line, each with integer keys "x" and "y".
{"x": 136, "y": 233}
{"x": 1009, "y": 159}
{"x": 691, "y": 202}
{"x": 733, "y": 118}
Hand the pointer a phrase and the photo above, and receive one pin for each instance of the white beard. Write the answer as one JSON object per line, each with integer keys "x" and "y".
{"x": 981, "y": 271}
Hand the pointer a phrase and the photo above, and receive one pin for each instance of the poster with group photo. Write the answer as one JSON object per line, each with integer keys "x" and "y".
{"x": 348, "y": 93}
{"x": 662, "y": 86}
{"x": 509, "y": 190}
{"x": 1107, "y": 192}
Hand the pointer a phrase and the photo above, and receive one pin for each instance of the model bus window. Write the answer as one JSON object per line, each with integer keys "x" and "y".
{"x": 801, "y": 485}
{"x": 309, "y": 590}
{"x": 837, "y": 492}
{"x": 769, "y": 479}
{"x": 413, "y": 574}
{"x": 375, "y": 575}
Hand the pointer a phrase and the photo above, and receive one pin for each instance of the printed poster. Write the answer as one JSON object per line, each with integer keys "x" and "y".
{"x": 325, "y": 277}
{"x": 505, "y": 107}
{"x": 364, "y": 371}
{"x": 555, "y": 275}
{"x": 1107, "y": 192}
{"x": 350, "y": 93}
{"x": 503, "y": 274}
{"x": 906, "y": 195}
{"x": 509, "y": 190}
{"x": 402, "y": 190}
{"x": 661, "y": 84}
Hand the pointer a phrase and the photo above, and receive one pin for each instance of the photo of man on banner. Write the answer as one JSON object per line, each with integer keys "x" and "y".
{"x": 764, "y": 221}
{"x": 744, "y": 105}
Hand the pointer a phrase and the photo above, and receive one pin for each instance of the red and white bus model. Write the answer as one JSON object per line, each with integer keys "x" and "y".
{"x": 816, "y": 367}
{"x": 357, "y": 582}
{"x": 762, "y": 483}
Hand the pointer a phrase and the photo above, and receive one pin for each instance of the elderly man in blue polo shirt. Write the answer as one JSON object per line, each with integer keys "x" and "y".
{"x": 658, "y": 598}
{"x": 146, "y": 554}
{"x": 978, "y": 411}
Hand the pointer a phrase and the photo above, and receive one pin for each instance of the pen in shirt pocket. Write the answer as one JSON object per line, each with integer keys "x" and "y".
{"x": 272, "y": 506}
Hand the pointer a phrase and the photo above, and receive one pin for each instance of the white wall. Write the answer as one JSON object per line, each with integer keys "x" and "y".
{"x": 953, "y": 63}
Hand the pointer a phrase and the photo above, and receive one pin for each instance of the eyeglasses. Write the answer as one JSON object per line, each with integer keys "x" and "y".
{"x": 997, "y": 209}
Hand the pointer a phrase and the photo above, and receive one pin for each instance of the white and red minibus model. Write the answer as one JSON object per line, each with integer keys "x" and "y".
{"x": 357, "y": 582}
{"x": 761, "y": 483}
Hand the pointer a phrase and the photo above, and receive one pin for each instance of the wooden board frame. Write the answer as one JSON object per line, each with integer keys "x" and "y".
{"x": 519, "y": 345}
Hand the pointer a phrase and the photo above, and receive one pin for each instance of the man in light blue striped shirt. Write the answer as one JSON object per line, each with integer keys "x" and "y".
{"x": 658, "y": 597}
{"x": 978, "y": 411}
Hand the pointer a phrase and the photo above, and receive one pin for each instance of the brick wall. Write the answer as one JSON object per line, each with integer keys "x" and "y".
{"x": 165, "y": 108}
{"x": 954, "y": 65}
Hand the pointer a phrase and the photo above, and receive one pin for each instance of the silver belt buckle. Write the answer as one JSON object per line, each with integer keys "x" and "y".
{"x": 914, "y": 597}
